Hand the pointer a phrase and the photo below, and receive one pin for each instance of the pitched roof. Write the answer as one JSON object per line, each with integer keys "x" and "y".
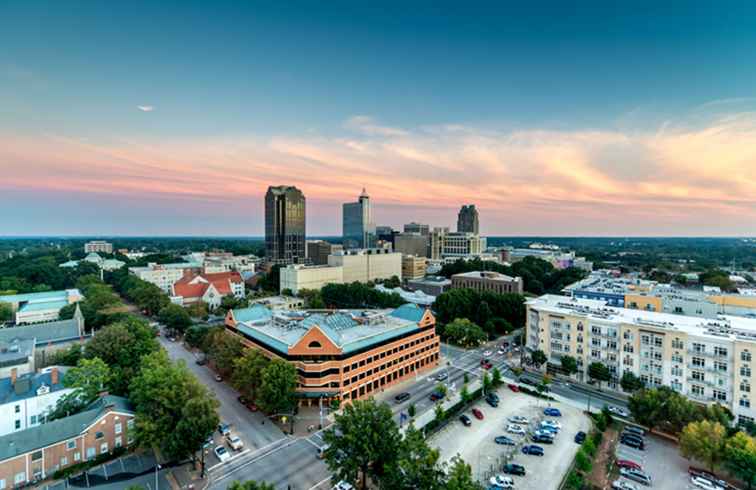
{"x": 195, "y": 286}
{"x": 25, "y": 441}
{"x": 8, "y": 392}
{"x": 43, "y": 333}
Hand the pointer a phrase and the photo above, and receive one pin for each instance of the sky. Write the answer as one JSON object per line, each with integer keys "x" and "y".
{"x": 172, "y": 118}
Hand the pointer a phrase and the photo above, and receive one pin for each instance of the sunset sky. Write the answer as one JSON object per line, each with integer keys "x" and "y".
{"x": 127, "y": 118}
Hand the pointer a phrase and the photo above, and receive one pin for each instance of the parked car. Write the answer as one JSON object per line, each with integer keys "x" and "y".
{"x": 222, "y": 453}
{"x": 705, "y": 483}
{"x": 477, "y": 413}
{"x": 626, "y": 463}
{"x": 501, "y": 481}
{"x": 487, "y": 353}
{"x": 485, "y": 364}
{"x": 634, "y": 437}
{"x": 551, "y": 423}
{"x": 234, "y": 441}
{"x": 526, "y": 381}
{"x": 542, "y": 439}
{"x": 515, "y": 429}
{"x": 636, "y": 475}
{"x": 518, "y": 419}
{"x": 242, "y": 399}
{"x": 201, "y": 361}
{"x": 619, "y": 411}
{"x": 436, "y": 395}
{"x": 514, "y": 469}
{"x": 532, "y": 450}
{"x": 549, "y": 429}
{"x": 465, "y": 420}
{"x": 513, "y": 387}
{"x": 343, "y": 485}
{"x": 218, "y": 378}
{"x": 504, "y": 440}
{"x": 442, "y": 376}
{"x": 635, "y": 430}
{"x": 623, "y": 485}
{"x": 492, "y": 400}
{"x": 552, "y": 412}
{"x": 251, "y": 407}
{"x": 401, "y": 397}
{"x": 224, "y": 429}
{"x": 693, "y": 471}
{"x": 633, "y": 443}
{"x": 580, "y": 437}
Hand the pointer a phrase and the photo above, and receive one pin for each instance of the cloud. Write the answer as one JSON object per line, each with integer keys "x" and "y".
{"x": 681, "y": 178}
{"x": 146, "y": 108}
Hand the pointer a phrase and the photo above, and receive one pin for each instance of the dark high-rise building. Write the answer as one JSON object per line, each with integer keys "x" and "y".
{"x": 416, "y": 228}
{"x": 467, "y": 219}
{"x": 284, "y": 225}
{"x": 358, "y": 226}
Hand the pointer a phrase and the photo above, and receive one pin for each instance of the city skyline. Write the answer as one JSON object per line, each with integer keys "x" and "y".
{"x": 595, "y": 121}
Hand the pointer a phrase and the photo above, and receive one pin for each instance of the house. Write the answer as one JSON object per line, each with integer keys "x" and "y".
{"x": 36, "y": 453}
{"x": 26, "y": 400}
{"x": 208, "y": 288}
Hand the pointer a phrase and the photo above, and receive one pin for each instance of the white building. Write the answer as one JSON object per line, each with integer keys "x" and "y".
{"x": 367, "y": 265}
{"x": 207, "y": 288}
{"x": 446, "y": 244}
{"x": 94, "y": 258}
{"x": 165, "y": 275}
{"x": 417, "y": 297}
{"x": 98, "y": 246}
{"x": 296, "y": 277}
{"x": 25, "y": 400}
{"x": 40, "y": 307}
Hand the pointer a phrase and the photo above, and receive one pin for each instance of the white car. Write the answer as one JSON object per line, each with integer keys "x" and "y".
{"x": 222, "y": 454}
{"x": 518, "y": 419}
{"x": 487, "y": 353}
{"x": 515, "y": 429}
{"x": 234, "y": 441}
{"x": 705, "y": 483}
{"x": 552, "y": 423}
{"x": 501, "y": 481}
{"x": 618, "y": 411}
{"x": 500, "y": 352}
{"x": 342, "y": 485}
{"x": 623, "y": 485}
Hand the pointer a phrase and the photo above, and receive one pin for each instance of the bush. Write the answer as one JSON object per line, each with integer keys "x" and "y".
{"x": 589, "y": 447}
{"x": 600, "y": 420}
{"x": 574, "y": 481}
{"x": 583, "y": 462}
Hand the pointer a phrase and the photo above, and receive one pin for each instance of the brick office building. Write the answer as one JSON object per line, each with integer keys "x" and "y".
{"x": 342, "y": 355}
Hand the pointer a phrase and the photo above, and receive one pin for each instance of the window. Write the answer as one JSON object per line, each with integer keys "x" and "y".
{"x": 676, "y": 357}
{"x": 17, "y": 409}
{"x": 697, "y": 390}
{"x": 130, "y": 424}
{"x": 99, "y": 435}
{"x": 118, "y": 428}
{"x": 36, "y": 455}
{"x": 91, "y": 453}
{"x": 745, "y": 371}
{"x": 2, "y": 484}
{"x": 645, "y": 340}
{"x": 63, "y": 461}
{"x": 698, "y": 362}
{"x": 103, "y": 448}
{"x": 118, "y": 441}
{"x": 314, "y": 345}
{"x": 627, "y": 348}
{"x": 71, "y": 445}
{"x": 17, "y": 424}
{"x": 697, "y": 375}
{"x": 33, "y": 420}
{"x": 20, "y": 478}
{"x": 698, "y": 348}
{"x": 720, "y": 395}
{"x": 745, "y": 386}
{"x": 77, "y": 456}
{"x": 745, "y": 402}
{"x": 745, "y": 356}
{"x": 720, "y": 366}
{"x": 658, "y": 341}
{"x": 720, "y": 351}
{"x": 678, "y": 344}
{"x": 676, "y": 371}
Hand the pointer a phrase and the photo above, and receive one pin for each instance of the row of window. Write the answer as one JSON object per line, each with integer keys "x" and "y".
{"x": 389, "y": 377}
{"x": 387, "y": 365}
{"x": 387, "y": 352}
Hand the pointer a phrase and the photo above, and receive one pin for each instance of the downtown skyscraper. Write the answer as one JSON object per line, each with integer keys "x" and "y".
{"x": 467, "y": 219}
{"x": 284, "y": 225}
{"x": 358, "y": 229}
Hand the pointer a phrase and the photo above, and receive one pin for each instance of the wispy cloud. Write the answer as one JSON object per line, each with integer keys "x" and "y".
{"x": 368, "y": 126}
{"x": 146, "y": 108}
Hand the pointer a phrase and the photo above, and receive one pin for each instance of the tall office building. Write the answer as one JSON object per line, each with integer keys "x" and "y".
{"x": 358, "y": 227}
{"x": 284, "y": 225}
{"x": 467, "y": 219}
{"x": 417, "y": 228}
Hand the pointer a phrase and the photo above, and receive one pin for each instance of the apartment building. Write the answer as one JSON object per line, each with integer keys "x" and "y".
{"x": 40, "y": 307}
{"x": 342, "y": 355}
{"x": 446, "y": 244}
{"x": 34, "y": 454}
{"x": 367, "y": 265}
{"x": 165, "y": 275}
{"x": 487, "y": 281}
{"x": 707, "y": 360}
{"x": 298, "y": 277}
{"x": 413, "y": 267}
{"x": 98, "y": 246}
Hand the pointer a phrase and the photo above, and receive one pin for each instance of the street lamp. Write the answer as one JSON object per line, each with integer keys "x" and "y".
{"x": 157, "y": 467}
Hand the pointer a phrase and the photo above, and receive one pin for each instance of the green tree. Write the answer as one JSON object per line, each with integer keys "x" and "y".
{"x": 569, "y": 365}
{"x": 496, "y": 377}
{"x": 439, "y": 413}
{"x": 175, "y": 317}
{"x": 363, "y": 443}
{"x": 248, "y": 372}
{"x": 88, "y": 378}
{"x": 464, "y": 394}
{"x": 599, "y": 372}
{"x": 583, "y": 462}
{"x": 416, "y": 465}
{"x": 704, "y": 441}
{"x": 149, "y": 298}
{"x": 250, "y": 485}
{"x": 195, "y": 335}
{"x": 543, "y": 386}
{"x": 441, "y": 389}
{"x": 6, "y": 312}
{"x": 487, "y": 383}
{"x": 223, "y": 348}
{"x": 198, "y": 310}
{"x": 464, "y": 333}
{"x": 459, "y": 476}
{"x": 411, "y": 410}
{"x": 538, "y": 358}
{"x": 630, "y": 383}
{"x": 277, "y": 393}
{"x": 740, "y": 457}
{"x": 174, "y": 412}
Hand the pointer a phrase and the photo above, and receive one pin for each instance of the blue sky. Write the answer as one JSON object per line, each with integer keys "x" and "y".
{"x": 252, "y": 76}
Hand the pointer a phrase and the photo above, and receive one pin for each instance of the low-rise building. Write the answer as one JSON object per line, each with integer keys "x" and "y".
{"x": 34, "y": 454}
{"x": 165, "y": 275}
{"x": 415, "y": 297}
{"x": 413, "y": 267}
{"x": 94, "y": 258}
{"x": 98, "y": 246}
{"x": 279, "y": 302}
{"x": 26, "y": 400}
{"x": 40, "y": 307}
{"x": 342, "y": 355}
{"x": 319, "y": 250}
{"x": 208, "y": 288}
{"x": 487, "y": 281}
{"x": 367, "y": 264}
{"x": 707, "y": 360}
{"x": 297, "y": 277}
{"x": 430, "y": 285}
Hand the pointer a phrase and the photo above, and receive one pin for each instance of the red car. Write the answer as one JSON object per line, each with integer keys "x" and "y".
{"x": 478, "y": 414}
{"x": 513, "y": 387}
{"x": 625, "y": 463}
{"x": 486, "y": 364}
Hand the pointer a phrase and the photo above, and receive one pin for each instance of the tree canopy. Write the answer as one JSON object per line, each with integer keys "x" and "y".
{"x": 497, "y": 313}
{"x": 464, "y": 333}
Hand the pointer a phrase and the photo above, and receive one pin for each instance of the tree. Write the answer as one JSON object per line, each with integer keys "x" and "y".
{"x": 175, "y": 317}
{"x": 198, "y": 310}
{"x": 411, "y": 410}
{"x": 496, "y": 377}
{"x": 88, "y": 378}
{"x": 569, "y": 365}
{"x": 248, "y": 371}
{"x": 224, "y": 348}
{"x": 543, "y": 386}
{"x": 441, "y": 389}
{"x": 465, "y": 333}
{"x": 277, "y": 387}
{"x": 538, "y": 357}
{"x": 487, "y": 383}
{"x": 174, "y": 412}
{"x": 460, "y": 476}
{"x": 363, "y": 443}
{"x": 250, "y": 485}
{"x": 195, "y": 335}
{"x": 150, "y": 298}
{"x": 630, "y": 382}
{"x": 464, "y": 394}
{"x": 583, "y": 462}
{"x": 704, "y": 441}
{"x": 438, "y": 412}
{"x": 599, "y": 372}
{"x": 416, "y": 465}
{"x": 740, "y": 457}
{"x": 6, "y": 312}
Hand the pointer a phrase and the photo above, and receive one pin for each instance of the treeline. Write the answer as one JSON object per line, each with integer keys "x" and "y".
{"x": 538, "y": 276}
{"x": 148, "y": 297}
{"x": 32, "y": 273}
{"x": 354, "y": 295}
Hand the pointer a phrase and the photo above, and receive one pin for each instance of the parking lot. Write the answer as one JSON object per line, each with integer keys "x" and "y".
{"x": 475, "y": 444}
{"x": 661, "y": 460}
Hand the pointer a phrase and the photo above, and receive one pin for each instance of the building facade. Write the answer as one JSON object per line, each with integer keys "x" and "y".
{"x": 165, "y": 276}
{"x": 418, "y": 228}
{"x": 40, "y": 307}
{"x": 430, "y": 285}
{"x": 707, "y": 360}
{"x": 298, "y": 277}
{"x": 342, "y": 356}
{"x": 26, "y": 400}
{"x": 446, "y": 244}
{"x": 367, "y": 265}
{"x": 285, "y": 225}
{"x": 413, "y": 267}
{"x": 411, "y": 244}
{"x": 96, "y": 246}
{"x": 34, "y": 454}
{"x": 207, "y": 288}
{"x": 319, "y": 250}
{"x": 467, "y": 219}
{"x": 358, "y": 228}
{"x": 488, "y": 281}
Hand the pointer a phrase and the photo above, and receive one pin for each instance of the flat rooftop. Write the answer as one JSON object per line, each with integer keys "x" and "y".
{"x": 157, "y": 267}
{"x": 723, "y": 327}
{"x": 350, "y": 330}
{"x": 489, "y": 275}
{"x": 45, "y": 296}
